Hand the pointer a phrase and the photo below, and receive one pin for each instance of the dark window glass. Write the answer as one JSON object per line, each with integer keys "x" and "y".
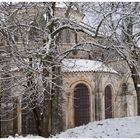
{"x": 108, "y": 102}
{"x": 81, "y": 105}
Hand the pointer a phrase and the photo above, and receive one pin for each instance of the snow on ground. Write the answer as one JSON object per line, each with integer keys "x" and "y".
{"x": 28, "y": 136}
{"x": 128, "y": 127}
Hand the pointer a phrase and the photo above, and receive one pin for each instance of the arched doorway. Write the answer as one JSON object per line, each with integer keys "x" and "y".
{"x": 81, "y": 105}
{"x": 108, "y": 102}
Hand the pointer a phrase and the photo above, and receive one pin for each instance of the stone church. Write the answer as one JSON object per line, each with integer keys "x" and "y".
{"x": 94, "y": 90}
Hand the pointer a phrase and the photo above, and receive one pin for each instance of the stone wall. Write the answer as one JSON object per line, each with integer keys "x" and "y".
{"x": 96, "y": 83}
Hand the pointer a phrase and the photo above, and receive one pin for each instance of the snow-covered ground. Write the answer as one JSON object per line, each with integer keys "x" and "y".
{"x": 128, "y": 127}
{"x": 28, "y": 136}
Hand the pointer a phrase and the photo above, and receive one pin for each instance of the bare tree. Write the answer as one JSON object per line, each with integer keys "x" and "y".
{"x": 119, "y": 23}
{"x": 30, "y": 34}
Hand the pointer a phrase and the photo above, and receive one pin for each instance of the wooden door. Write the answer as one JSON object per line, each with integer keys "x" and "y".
{"x": 81, "y": 105}
{"x": 108, "y": 102}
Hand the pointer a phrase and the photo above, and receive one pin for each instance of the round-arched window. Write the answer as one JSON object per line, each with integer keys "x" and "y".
{"x": 108, "y": 102}
{"x": 81, "y": 105}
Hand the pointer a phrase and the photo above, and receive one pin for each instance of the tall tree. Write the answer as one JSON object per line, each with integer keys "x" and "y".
{"x": 119, "y": 23}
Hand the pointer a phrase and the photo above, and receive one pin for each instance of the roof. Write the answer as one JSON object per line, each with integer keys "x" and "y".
{"x": 83, "y": 65}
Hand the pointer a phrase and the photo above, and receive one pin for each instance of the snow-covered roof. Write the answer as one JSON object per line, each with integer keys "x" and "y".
{"x": 83, "y": 65}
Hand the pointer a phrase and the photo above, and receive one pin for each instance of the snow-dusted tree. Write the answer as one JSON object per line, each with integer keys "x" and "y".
{"x": 30, "y": 35}
{"x": 28, "y": 47}
{"x": 31, "y": 63}
{"x": 118, "y": 22}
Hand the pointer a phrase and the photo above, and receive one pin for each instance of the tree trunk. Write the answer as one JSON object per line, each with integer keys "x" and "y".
{"x": 136, "y": 80}
{"x": 39, "y": 118}
{"x": 133, "y": 68}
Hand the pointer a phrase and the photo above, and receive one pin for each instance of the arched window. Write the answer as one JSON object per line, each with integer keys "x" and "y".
{"x": 108, "y": 102}
{"x": 81, "y": 105}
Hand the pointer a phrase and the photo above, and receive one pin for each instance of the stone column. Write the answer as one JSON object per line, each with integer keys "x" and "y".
{"x": 99, "y": 106}
{"x": 69, "y": 111}
{"x": 130, "y": 104}
{"x": 98, "y": 97}
{"x": 17, "y": 114}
